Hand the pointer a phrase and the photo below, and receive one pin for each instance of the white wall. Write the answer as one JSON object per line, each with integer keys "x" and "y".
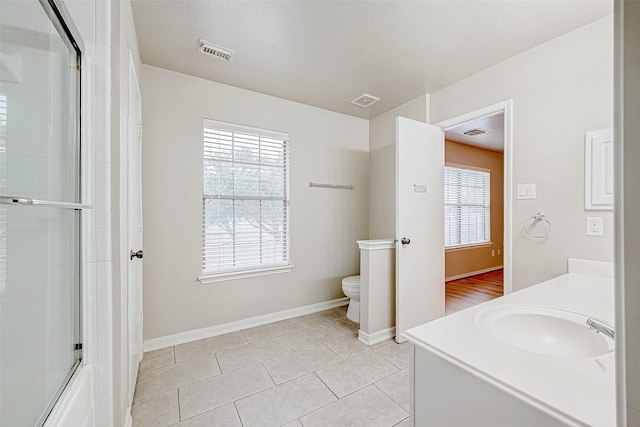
{"x": 560, "y": 90}
{"x": 382, "y": 165}
{"x": 325, "y": 147}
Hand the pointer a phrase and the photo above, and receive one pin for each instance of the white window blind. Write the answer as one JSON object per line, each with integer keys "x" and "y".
{"x": 246, "y": 198}
{"x": 466, "y": 206}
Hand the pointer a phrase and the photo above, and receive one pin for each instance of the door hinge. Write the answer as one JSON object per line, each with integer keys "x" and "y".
{"x": 78, "y": 346}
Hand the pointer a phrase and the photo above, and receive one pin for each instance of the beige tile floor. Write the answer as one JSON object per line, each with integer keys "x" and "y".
{"x": 308, "y": 371}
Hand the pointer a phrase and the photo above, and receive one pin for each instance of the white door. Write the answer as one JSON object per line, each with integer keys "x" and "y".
{"x": 419, "y": 224}
{"x": 134, "y": 273}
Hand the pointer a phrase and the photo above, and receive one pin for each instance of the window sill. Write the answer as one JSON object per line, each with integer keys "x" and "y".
{"x": 244, "y": 274}
{"x": 465, "y": 247}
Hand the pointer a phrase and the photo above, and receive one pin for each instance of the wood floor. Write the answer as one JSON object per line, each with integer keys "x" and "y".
{"x": 470, "y": 291}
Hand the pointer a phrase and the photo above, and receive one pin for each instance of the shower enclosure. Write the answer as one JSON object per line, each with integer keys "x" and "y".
{"x": 40, "y": 208}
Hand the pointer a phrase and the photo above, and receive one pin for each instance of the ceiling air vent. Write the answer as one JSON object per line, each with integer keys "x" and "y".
{"x": 215, "y": 50}
{"x": 474, "y": 132}
{"x": 365, "y": 100}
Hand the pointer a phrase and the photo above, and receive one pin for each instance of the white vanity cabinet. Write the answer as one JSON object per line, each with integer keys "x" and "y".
{"x": 445, "y": 394}
{"x": 466, "y": 373}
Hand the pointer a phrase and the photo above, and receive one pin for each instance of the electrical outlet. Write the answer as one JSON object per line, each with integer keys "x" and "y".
{"x": 595, "y": 226}
{"x": 493, "y": 252}
{"x": 498, "y": 252}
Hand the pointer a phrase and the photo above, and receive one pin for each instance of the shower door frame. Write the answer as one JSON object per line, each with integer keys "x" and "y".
{"x": 61, "y": 20}
{"x": 64, "y": 24}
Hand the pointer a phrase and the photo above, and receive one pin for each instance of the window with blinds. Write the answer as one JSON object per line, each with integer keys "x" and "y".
{"x": 466, "y": 206}
{"x": 245, "y": 202}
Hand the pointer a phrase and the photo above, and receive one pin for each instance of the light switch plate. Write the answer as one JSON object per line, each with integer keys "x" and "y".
{"x": 526, "y": 191}
{"x": 595, "y": 225}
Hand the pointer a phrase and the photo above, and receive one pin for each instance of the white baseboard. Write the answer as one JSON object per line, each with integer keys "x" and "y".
{"x": 376, "y": 337}
{"x": 212, "y": 331}
{"x": 473, "y": 273}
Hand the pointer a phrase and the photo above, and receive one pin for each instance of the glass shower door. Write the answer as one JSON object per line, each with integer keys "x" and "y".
{"x": 40, "y": 345}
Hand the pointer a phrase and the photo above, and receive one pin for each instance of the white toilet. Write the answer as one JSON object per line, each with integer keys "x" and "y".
{"x": 351, "y": 288}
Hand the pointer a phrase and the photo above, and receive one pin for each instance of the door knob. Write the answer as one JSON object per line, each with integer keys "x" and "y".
{"x": 138, "y": 254}
{"x": 405, "y": 241}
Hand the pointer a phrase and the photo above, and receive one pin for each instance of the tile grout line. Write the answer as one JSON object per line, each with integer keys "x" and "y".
{"x": 322, "y": 407}
{"x": 184, "y": 385}
{"x": 330, "y": 349}
{"x": 369, "y": 350}
{"x": 285, "y": 343}
{"x": 299, "y": 324}
{"x": 210, "y": 353}
{"x": 234, "y": 401}
{"x": 347, "y": 395}
{"x": 140, "y": 371}
{"x": 179, "y": 411}
{"x": 237, "y": 412}
{"x": 307, "y": 373}
{"x": 401, "y": 421}
{"x": 396, "y": 372}
{"x": 268, "y": 373}
{"x": 259, "y": 361}
{"x": 288, "y": 381}
{"x": 215, "y": 357}
{"x": 327, "y": 386}
{"x": 357, "y": 390}
{"x": 392, "y": 399}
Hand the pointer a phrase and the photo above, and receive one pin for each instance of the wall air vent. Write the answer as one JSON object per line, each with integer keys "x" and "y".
{"x": 365, "y": 100}
{"x": 474, "y": 132}
{"x": 215, "y": 50}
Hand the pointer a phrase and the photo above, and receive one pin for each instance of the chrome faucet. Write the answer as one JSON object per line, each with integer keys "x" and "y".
{"x": 600, "y": 326}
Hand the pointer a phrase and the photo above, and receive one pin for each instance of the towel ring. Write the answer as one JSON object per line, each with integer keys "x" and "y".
{"x": 537, "y": 218}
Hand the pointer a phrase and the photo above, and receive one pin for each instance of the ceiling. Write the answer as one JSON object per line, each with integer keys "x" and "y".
{"x": 325, "y": 53}
{"x": 492, "y": 140}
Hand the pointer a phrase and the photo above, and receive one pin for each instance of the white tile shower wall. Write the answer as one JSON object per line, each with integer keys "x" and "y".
{"x": 93, "y": 20}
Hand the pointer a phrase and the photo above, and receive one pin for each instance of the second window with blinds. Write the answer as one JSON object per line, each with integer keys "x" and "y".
{"x": 245, "y": 202}
{"x": 466, "y": 206}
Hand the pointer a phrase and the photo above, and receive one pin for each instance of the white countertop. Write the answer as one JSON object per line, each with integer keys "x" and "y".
{"x": 577, "y": 391}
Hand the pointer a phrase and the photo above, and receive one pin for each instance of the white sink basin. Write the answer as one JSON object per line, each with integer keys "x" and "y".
{"x": 544, "y": 331}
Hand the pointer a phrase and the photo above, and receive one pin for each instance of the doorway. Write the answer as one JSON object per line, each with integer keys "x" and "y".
{"x": 478, "y": 244}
